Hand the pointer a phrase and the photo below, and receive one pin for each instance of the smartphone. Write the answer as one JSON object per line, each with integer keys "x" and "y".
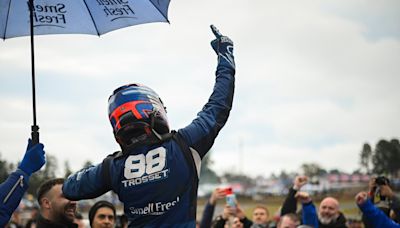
{"x": 231, "y": 200}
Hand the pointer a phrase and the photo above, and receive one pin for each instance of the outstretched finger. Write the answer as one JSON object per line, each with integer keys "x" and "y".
{"x": 216, "y": 31}
{"x": 29, "y": 144}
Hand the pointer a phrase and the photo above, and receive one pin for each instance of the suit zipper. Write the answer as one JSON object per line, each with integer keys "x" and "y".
{"x": 20, "y": 181}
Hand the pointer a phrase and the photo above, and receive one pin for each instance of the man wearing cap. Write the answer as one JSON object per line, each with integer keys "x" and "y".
{"x": 102, "y": 214}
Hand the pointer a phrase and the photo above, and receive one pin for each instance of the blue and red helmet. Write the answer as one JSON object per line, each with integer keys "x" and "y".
{"x": 135, "y": 112}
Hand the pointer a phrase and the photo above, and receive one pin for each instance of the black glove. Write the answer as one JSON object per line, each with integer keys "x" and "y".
{"x": 223, "y": 46}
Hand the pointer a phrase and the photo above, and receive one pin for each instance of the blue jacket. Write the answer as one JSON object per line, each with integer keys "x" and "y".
{"x": 375, "y": 216}
{"x": 309, "y": 215}
{"x": 11, "y": 192}
{"x": 156, "y": 183}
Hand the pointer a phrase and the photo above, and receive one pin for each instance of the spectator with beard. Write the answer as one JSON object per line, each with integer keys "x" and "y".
{"x": 55, "y": 210}
{"x": 328, "y": 213}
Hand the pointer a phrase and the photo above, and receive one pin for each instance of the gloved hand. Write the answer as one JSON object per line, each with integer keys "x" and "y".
{"x": 34, "y": 158}
{"x": 223, "y": 46}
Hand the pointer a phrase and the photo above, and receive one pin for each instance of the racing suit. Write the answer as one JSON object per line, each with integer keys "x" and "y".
{"x": 11, "y": 192}
{"x": 156, "y": 183}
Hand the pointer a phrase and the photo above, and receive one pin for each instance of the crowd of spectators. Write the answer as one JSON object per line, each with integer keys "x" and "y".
{"x": 378, "y": 204}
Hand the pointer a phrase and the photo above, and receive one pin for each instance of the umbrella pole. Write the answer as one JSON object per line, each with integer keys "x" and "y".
{"x": 35, "y": 128}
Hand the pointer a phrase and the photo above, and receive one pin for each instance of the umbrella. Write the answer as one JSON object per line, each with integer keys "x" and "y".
{"x": 97, "y": 17}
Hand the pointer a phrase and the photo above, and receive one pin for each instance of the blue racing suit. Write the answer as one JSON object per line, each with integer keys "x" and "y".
{"x": 11, "y": 192}
{"x": 375, "y": 216}
{"x": 156, "y": 183}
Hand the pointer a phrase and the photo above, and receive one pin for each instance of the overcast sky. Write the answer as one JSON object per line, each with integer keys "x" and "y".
{"x": 315, "y": 81}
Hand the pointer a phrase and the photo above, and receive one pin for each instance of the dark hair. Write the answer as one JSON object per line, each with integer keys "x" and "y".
{"x": 97, "y": 206}
{"x": 46, "y": 186}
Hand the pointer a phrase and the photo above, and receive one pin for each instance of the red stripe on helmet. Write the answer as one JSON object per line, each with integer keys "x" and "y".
{"x": 127, "y": 107}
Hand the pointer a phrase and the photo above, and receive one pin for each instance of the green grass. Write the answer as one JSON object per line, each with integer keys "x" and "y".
{"x": 273, "y": 203}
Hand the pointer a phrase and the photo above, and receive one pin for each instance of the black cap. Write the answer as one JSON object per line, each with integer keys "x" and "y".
{"x": 96, "y": 206}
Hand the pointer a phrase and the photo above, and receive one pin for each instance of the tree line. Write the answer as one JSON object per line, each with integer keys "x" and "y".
{"x": 384, "y": 159}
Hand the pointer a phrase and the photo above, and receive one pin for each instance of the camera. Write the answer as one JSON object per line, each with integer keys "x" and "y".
{"x": 379, "y": 181}
{"x": 382, "y": 180}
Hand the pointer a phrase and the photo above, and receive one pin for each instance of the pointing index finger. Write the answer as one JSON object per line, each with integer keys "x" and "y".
{"x": 215, "y": 31}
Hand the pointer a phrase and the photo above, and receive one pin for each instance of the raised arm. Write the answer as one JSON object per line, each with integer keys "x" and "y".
{"x": 200, "y": 134}
{"x": 14, "y": 187}
{"x": 290, "y": 203}
{"x": 372, "y": 214}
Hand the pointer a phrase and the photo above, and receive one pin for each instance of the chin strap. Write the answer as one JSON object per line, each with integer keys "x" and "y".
{"x": 140, "y": 133}
{"x": 149, "y": 137}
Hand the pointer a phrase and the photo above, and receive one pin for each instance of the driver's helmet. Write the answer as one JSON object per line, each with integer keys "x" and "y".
{"x": 136, "y": 113}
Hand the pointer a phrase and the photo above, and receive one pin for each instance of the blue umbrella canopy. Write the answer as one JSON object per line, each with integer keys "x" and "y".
{"x": 77, "y": 16}
{"x": 96, "y": 17}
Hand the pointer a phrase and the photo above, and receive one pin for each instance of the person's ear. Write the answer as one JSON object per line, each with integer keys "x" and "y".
{"x": 45, "y": 203}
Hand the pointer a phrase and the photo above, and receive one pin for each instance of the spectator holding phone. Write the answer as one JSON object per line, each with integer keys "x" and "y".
{"x": 218, "y": 193}
{"x": 230, "y": 212}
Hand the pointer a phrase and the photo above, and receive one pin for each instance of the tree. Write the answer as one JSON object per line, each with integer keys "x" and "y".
{"x": 207, "y": 174}
{"x": 386, "y": 157}
{"x": 4, "y": 170}
{"x": 67, "y": 169}
{"x": 313, "y": 169}
{"x": 238, "y": 178}
{"x": 87, "y": 164}
{"x": 49, "y": 172}
{"x": 334, "y": 171}
{"x": 365, "y": 157}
